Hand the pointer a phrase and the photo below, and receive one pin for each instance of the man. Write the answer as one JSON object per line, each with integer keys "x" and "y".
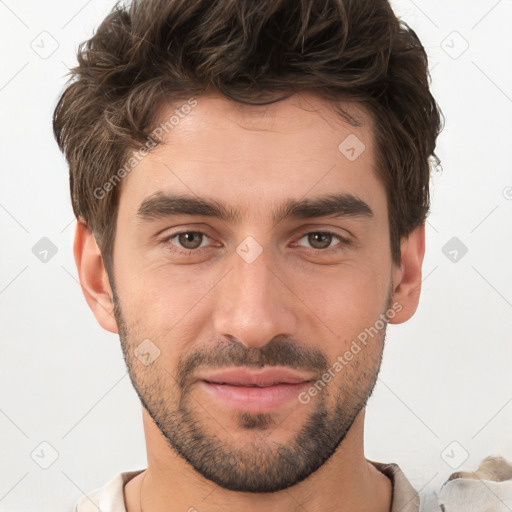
{"x": 251, "y": 182}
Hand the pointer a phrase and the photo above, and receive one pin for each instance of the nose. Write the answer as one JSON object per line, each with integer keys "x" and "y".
{"x": 254, "y": 302}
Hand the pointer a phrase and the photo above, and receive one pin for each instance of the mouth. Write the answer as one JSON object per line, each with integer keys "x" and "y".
{"x": 263, "y": 377}
{"x": 263, "y": 390}
{"x": 245, "y": 385}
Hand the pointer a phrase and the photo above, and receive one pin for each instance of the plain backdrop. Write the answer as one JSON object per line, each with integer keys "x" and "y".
{"x": 69, "y": 418}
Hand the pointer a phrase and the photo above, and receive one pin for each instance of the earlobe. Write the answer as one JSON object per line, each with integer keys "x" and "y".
{"x": 93, "y": 277}
{"x": 407, "y": 277}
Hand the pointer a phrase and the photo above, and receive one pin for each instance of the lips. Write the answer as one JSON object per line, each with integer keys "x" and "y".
{"x": 264, "y": 390}
{"x": 263, "y": 377}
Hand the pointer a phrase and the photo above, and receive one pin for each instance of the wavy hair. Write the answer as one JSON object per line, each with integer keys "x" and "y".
{"x": 149, "y": 52}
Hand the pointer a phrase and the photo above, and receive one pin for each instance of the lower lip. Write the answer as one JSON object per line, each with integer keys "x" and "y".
{"x": 254, "y": 399}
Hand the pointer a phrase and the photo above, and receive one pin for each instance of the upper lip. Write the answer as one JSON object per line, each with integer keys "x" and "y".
{"x": 261, "y": 377}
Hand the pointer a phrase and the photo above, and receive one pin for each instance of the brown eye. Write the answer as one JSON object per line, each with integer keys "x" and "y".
{"x": 320, "y": 240}
{"x": 190, "y": 239}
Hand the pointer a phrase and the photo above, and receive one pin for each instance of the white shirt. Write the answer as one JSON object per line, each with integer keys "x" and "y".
{"x": 460, "y": 495}
{"x": 110, "y": 497}
{"x": 470, "y": 495}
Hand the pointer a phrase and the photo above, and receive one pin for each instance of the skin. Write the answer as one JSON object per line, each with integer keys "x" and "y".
{"x": 297, "y": 293}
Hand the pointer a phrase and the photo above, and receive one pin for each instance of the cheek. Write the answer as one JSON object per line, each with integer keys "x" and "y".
{"x": 167, "y": 306}
{"x": 346, "y": 299}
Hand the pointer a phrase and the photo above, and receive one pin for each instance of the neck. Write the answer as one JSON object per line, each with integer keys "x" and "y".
{"x": 346, "y": 482}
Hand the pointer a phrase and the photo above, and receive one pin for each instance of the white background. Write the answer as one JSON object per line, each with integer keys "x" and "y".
{"x": 445, "y": 389}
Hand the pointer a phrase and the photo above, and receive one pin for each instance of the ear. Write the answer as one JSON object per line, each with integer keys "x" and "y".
{"x": 93, "y": 277}
{"x": 407, "y": 276}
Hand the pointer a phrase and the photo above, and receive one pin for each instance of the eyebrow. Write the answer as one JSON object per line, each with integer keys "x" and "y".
{"x": 162, "y": 205}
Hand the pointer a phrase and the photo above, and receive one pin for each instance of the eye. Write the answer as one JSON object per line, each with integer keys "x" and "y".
{"x": 188, "y": 240}
{"x": 321, "y": 240}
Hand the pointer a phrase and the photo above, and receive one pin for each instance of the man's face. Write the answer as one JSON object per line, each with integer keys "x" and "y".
{"x": 254, "y": 291}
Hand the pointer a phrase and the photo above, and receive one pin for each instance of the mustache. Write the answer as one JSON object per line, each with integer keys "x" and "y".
{"x": 280, "y": 351}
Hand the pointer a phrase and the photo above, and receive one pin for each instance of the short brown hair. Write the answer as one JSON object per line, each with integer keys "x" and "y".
{"x": 149, "y": 52}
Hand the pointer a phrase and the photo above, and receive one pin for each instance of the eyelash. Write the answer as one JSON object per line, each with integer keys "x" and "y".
{"x": 189, "y": 252}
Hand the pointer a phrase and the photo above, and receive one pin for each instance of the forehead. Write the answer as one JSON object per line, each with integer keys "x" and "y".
{"x": 216, "y": 119}
{"x": 219, "y": 147}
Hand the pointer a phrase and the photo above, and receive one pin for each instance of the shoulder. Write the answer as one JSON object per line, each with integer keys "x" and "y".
{"x": 404, "y": 498}
{"x": 109, "y": 498}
